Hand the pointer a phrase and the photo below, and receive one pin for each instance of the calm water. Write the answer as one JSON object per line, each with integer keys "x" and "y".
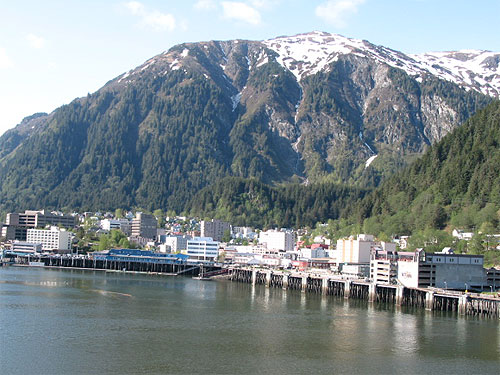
{"x": 70, "y": 322}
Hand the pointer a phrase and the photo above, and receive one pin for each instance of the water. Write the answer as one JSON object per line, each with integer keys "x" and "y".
{"x": 84, "y": 322}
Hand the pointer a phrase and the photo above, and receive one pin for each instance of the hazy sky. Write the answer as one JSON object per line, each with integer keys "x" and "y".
{"x": 53, "y": 51}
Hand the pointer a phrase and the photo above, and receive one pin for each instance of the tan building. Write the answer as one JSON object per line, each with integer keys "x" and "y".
{"x": 352, "y": 250}
{"x": 144, "y": 225}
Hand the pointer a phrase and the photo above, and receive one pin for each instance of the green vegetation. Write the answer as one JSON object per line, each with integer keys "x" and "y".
{"x": 253, "y": 203}
{"x": 115, "y": 239}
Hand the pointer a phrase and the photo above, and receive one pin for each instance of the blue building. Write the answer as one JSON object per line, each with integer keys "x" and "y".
{"x": 143, "y": 256}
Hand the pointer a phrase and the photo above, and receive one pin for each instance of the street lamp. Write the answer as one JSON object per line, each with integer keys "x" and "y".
{"x": 445, "y": 285}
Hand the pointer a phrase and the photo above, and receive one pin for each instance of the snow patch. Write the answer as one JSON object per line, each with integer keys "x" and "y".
{"x": 369, "y": 161}
{"x": 262, "y": 62}
{"x": 235, "y": 99}
{"x": 185, "y": 52}
{"x": 174, "y": 65}
{"x": 125, "y": 75}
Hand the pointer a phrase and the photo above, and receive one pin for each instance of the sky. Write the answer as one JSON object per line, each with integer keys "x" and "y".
{"x": 54, "y": 51}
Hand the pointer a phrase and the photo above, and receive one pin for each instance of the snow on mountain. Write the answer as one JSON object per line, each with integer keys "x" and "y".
{"x": 476, "y": 69}
{"x": 307, "y": 54}
{"x": 310, "y": 53}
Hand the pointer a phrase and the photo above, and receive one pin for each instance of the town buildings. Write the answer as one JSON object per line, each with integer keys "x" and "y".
{"x": 175, "y": 243}
{"x": 123, "y": 225}
{"x": 39, "y": 219}
{"x": 283, "y": 240}
{"x": 214, "y": 229}
{"x": 53, "y": 239}
{"x": 202, "y": 248}
{"x": 144, "y": 225}
{"x": 17, "y": 224}
{"x": 20, "y": 247}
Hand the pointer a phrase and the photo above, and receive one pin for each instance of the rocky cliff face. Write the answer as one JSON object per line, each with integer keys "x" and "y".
{"x": 315, "y": 107}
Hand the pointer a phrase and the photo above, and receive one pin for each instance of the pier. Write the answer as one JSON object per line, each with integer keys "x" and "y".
{"x": 171, "y": 267}
{"x": 426, "y": 298}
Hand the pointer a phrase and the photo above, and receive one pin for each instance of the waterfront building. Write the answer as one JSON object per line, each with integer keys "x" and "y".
{"x": 21, "y": 247}
{"x": 441, "y": 270}
{"x": 53, "y": 239}
{"x": 493, "y": 278}
{"x": 144, "y": 225}
{"x": 355, "y": 270}
{"x": 202, "y": 248}
{"x": 283, "y": 240}
{"x": 214, "y": 229}
{"x": 142, "y": 256}
{"x": 384, "y": 266}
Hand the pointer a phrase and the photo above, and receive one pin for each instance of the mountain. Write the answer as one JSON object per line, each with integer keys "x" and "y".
{"x": 457, "y": 182}
{"x": 306, "y": 109}
{"x": 28, "y": 126}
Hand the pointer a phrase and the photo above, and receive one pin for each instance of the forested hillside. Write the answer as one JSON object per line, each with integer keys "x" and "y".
{"x": 457, "y": 182}
{"x": 248, "y": 202}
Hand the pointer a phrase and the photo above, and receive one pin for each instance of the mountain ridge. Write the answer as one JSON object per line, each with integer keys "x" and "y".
{"x": 157, "y": 134}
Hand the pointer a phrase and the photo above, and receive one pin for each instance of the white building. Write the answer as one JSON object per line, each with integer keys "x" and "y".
{"x": 308, "y": 253}
{"x": 176, "y": 243}
{"x": 119, "y": 224}
{"x": 461, "y": 235}
{"x": 352, "y": 250}
{"x": 202, "y": 248}
{"x": 51, "y": 239}
{"x": 244, "y": 232}
{"x": 279, "y": 240}
{"x": 26, "y": 247}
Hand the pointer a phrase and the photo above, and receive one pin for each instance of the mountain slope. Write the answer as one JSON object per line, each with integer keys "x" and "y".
{"x": 457, "y": 181}
{"x": 156, "y": 135}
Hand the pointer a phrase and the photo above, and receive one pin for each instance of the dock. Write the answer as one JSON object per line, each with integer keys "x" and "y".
{"x": 431, "y": 299}
{"x": 165, "y": 267}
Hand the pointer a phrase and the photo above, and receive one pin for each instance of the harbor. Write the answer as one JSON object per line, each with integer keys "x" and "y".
{"x": 432, "y": 299}
{"x": 88, "y": 321}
